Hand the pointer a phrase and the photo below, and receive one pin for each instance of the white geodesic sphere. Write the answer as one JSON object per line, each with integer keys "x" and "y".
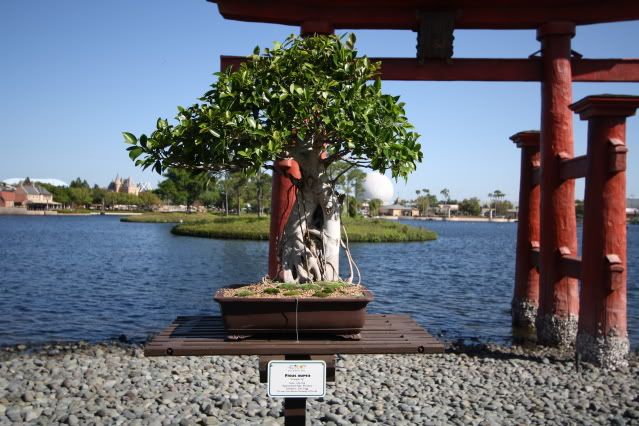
{"x": 376, "y": 185}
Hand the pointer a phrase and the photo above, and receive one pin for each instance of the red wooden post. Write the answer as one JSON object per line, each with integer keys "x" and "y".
{"x": 282, "y": 201}
{"x": 559, "y": 298}
{"x": 282, "y": 191}
{"x": 526, "y": 296}
{"x": 603, "y": 333}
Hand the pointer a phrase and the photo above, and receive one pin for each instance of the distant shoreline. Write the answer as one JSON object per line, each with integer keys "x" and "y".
{"x": 9, "y": 211}
{"x": 451, "y": 219}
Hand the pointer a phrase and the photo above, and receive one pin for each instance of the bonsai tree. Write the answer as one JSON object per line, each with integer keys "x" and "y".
{"x": 309, "y": 99}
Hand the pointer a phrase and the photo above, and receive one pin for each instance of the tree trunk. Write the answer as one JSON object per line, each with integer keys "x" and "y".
{"x": 309, "y": 246}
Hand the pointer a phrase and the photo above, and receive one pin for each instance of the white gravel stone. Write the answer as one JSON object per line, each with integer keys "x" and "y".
{"x": 469, "y": 385}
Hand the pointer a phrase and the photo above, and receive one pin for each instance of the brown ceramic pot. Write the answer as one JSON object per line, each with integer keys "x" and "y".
{"x": 284, "y": 315}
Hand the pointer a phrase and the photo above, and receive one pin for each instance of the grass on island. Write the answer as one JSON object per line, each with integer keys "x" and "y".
{"x": 76, "y": 211}
{"x": 253, "y": 228}
{"x": 245, "y": 227}
{"x": 250, "y": 227}
{"x": 270, "y": 289}
{"x": 170, "y": 217}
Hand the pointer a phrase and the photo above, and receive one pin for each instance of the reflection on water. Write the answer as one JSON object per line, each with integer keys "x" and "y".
{"x": 71, "y": 278}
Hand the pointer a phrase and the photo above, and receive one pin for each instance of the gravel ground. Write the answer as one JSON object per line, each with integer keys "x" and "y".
{"x": 80, "y": 384}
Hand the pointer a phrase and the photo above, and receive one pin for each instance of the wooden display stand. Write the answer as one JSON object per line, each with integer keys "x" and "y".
{"x": 205, "y": 336}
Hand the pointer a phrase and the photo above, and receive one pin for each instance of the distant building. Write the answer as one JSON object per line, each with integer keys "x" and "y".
{"x": 7, "y": 195}
{"x": 124, "y": 185}
{"x": 34, "y": 197}
{"x": 447, "y": 209}
{"x": 398, "y": 210}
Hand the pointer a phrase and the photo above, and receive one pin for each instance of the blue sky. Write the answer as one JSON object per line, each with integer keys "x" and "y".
{"x": 75, "y": 74}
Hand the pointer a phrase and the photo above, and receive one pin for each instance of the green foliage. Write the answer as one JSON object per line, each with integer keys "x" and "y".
{"x": 292, "y": 293}
{"x": 425, "y": 201}
{"x": 210, "y": 197}
{"x": 502, "y": 207}
{"x": 244, "y": 293}
{"x": 272, "y": 290}
{"x": 112, "y": 199}
{"x": 182, "y": 186}
{"x": 353, "y": 207}
{"x": 374, "y": 205}
{"x": 148, "y": 200}
{"x": 97, "y": 195}
{"x": 470, "y": 206}
{"x": 305, "y": 94}
{"x": 80, "y": 196}
{"x": 79, "y": 183}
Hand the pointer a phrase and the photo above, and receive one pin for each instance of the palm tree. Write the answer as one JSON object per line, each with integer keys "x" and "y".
{"x": 495, "y": 196}
{"x": 446, "y": 194}
{"x": 491, "y": 200}
{"x": 427, "y": 192}
{"x": 498, "y": 196}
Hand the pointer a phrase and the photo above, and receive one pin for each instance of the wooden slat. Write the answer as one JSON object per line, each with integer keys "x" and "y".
{"x": 205, "y": 335}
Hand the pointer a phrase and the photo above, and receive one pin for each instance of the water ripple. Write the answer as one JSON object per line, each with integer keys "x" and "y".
{"x": 95, "y": 278}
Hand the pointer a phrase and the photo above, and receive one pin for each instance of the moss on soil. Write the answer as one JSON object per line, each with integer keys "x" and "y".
{"x": 271, "y": 289}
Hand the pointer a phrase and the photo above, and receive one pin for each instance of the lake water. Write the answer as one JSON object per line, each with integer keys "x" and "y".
{"x": 96, "y": 278}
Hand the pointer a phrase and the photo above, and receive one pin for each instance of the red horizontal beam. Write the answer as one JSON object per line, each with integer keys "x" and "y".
{"x": 466, "y": 69}
{"x": 401, "y": 14}
{"x": 570, "y": 266}
{"x": 610, "y": 70}
{"x": 534, "y": 257}
{"x": 573, "y": 168}
{"x": 536, "y": 175}
{"x": 408, "y": 69}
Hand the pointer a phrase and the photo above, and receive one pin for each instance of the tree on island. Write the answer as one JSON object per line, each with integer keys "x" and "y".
{"x": 310, "y": 100}
{"x": 496, "y": 197}
{"x": 182, "y": 186}
{"x": 373, "y": 207}
{"x": 470, "y": 206}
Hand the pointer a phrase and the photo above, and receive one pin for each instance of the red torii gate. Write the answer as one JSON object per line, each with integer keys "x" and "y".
{"x": 547, "y": 237}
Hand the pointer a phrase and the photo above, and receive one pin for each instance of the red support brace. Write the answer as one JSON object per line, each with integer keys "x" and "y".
{"x": 526, "y": 296}
{"x": 603, "y": 333}
{"x": 282, "y": 201}
{"x": 559, "y": 299}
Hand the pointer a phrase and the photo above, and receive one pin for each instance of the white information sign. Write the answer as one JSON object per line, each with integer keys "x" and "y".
{"x": 296, "y": 379}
